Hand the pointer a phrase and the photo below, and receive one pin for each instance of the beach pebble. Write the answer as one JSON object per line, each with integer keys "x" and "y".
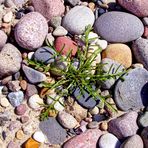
{"x": 14, "y": 85}
{"x": 35, "y": 101}
{"x": 39, "y": 137}
{"x": 55, "y": 133}
{"x": 76, "y": 110}
{"x": 133, "y": 141}
{"x": 114, "y": 65}
{"x": 145, "y": 21}
{"x": 56, "y": 21}
{"x": 49, "y": 39}
{"x": 109, "y": 141}
{"x": 94, "y": 110}
{"x": 144, "y": 136}
{"x": 143, "y": 119}
{"x": 128, "y": 95}
{"x": 33, "y": 75}
{"x": 65, "y": 45}
{"x": 77, "y": 19}
{"x": 104, "y": 126}
{"x": 45, "y": 54}
{"x": 3, "y": 39}
{"x": 30, "y": 55}
{"x": 88, "y": 139}
{"x": 31, "y": 143}
{"x": 67, "y": 120}
{"x": 4, "y": 102}
{"x": 23, "y": 84}
{"x": 34, "y": 36}
{"x": 137, "y": 7}
{"x": 16, "y": 98}
{"x": 19, "y": 135}
{"x": 49, "y": 8}
{"x": 60, "y": 31}
{"x": 21, "y": 109}
{"x": 102, "y": 43}
{"x": 116, "y": 27}
{"x": 24, "y": 119}
{"x": 30, "y": 90}
{"x": 140, "y": 50}
{"x": 10, "y": 60}
{"x": 8, "y": 17}
{"x": 85, "y": 100}
{"x": 93, "y": 125}
{"x": 120, "y": 53}
{"x": 124, "y": 126}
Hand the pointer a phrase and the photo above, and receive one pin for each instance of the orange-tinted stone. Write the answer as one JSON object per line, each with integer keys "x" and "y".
{"x": 30, "y": 143}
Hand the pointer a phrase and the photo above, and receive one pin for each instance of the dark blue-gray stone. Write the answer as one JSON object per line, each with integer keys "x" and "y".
{"x": 45, "y": 55}
{"x": 132, "y": 93}
{"x": 32, "y": 75}
{"x": 53, "y": 130}
{"x": 119, "y": 27}
{"x": 85, "y": 99}
{"x": 140, "y": 50}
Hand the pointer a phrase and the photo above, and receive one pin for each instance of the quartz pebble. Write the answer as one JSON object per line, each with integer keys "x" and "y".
{"x": 104, "y": 126}
{"x": 94, "y": 110}
{"x": 67, "y": 120}
{"x": 35, "y": 101}
{"x": 39, "y": 137}
{"x": 4, "y": 102}
{"x": 109, "y": 141}
{"x": 8, "y": 17}
{"x": 102, "y": 43}
{"x": 20, "y": 135}
{"x": 50, "y": 39}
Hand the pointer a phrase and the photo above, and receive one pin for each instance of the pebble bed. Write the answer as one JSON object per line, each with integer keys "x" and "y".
{"x": 35, "y": 30}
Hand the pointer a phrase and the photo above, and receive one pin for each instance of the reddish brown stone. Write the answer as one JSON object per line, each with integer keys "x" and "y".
{"x": 65, "y": 45}
{"x": 137, "y": 7}
{"x": 87, "y": 139}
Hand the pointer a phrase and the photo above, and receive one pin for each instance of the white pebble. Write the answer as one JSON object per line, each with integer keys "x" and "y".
{"x": 94, "y": 110}
{"x": 1, "y": 87}
{"x": 67, "y": 120}
{"x": 8, "y": 17}
{"x": 4, "y": 102}
{"x": 109, "y": 141}
{"x": 60, "y": 31}
{"x": 39, "y": 137}
{"x": 30, "y": 55}
{"x": 58, "y": 106}
{"x": 92, "y": 37}
{"x": 49, "y": 39}
{"x": 102, "y": 43}
{"x": 35, "y": 101}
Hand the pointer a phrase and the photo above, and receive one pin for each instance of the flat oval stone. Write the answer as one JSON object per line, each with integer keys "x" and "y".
{"x": 77, "y": 19}
{"x": 140, "y": 50}
{"x": 137, "y": 7}
{"x": 44, "y": 54}
{"x": 132, "y": 93}
{"x": 53, "y": 130}
{"x": 85, "y": 100}
{"x": 119, "y": 27}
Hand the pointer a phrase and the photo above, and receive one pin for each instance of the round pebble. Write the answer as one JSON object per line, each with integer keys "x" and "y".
{"x": 93, "y": 125}
{"x": 8, "y": 17}
{"x": 31, "y": 37}
{"x": 94, "y": 111}
{"x": 109, "y": 141}
{"x": 21, "y": 109}
{"x": 35, "y": 101}
{"x": 19, "y": 135}
{"x": 104, "y": 126}
{"x": 4, "y": 102}
{"x": 39, "y": 137}
{"x": 24, "y": 119}
{"x": 77, "y": 19}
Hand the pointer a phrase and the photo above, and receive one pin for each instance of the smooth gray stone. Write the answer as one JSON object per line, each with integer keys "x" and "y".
{"x": 119, "y": 27}
{"x": 140, "y": 50}
{"x": 32, "y": 75}
{"x": 76, "y": 20}
{"x": 132, "y": 93}
{"x": 55, "y": 133}
{"x": 143, "y": 119}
